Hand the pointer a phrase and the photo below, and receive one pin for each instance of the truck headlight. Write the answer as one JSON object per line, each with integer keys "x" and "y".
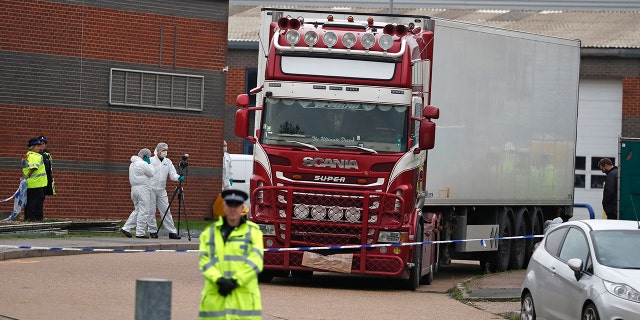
{"x": 391, "y": 236}
{"x": 622, "y": 290}
{"x": 267, "y": 229}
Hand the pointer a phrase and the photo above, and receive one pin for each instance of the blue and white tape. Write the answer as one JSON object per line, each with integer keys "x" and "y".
{"x": 483, "y": 243}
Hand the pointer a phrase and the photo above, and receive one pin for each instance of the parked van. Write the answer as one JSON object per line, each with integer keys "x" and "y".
{"x": 241, "y": 171}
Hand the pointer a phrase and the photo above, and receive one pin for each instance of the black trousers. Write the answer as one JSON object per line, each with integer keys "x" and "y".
{"x": 35, "y": 202}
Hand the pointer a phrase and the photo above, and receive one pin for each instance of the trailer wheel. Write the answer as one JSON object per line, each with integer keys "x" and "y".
{"x": 536, "y": 229}
{"x": 500, "y": 258}
{"x": 414, "y": 274}
{"x": 519, "y": 246}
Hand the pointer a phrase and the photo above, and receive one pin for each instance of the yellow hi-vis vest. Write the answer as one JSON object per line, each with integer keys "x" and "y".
{"x": 240, "y": 258}
{"x": 39, "y": 177}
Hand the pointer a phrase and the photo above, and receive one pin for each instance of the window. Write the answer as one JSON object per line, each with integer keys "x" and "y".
{"x": 156, "y": 89}
{"x": 581, "y": 163}
{"x": 597, "y": 181}
{"x": 595, "y": 160}
{"x": 575, "y": 246}
{"x": 578, "y": 181}
{"x": 553, "y": 240}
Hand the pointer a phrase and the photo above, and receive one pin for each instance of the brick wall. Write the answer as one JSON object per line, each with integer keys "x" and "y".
{"x": 55, "y": 80}
{"x": 238, "y": 61}
{"x": 631, "y": 107}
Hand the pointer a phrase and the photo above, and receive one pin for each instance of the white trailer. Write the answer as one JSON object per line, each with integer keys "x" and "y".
{"x": 506, "y": 138}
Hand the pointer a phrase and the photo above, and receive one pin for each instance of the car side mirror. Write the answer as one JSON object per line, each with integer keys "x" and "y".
{"x": 576, "y": 265}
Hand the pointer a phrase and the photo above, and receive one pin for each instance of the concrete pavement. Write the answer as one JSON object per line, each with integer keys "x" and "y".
{"x": 501, "y": 287}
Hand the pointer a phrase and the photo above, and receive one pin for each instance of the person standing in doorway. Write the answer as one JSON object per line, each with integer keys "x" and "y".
{"x": 231, "y": 257}
{"x": 610, "y": 192}
{"x": 46, "y": 157}
{"x": 36, "y": 175}
{"x": 164, "y": 169}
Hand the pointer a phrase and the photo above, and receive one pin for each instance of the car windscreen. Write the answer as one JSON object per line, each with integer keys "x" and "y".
{"x": 334, "y": 124}
{"x": 617, "y": 248}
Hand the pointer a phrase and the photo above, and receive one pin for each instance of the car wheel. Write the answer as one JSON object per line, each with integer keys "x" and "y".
{"x": 590, "y": 312}
{"x": 527, "y": 308}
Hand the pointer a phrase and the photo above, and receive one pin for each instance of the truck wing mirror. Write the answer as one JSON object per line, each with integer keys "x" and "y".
{"x": 427, "y": 139}
{"x": 242, "y": 100}
{"x": 242, "y": 122}
{"x": 431, "y": 112}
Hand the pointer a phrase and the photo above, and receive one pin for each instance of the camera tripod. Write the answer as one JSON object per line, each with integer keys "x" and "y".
{"x": 181, "y": 206}
{"x": 179, "y": 191}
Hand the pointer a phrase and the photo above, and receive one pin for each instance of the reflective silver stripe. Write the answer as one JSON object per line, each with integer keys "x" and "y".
{"x": 245, "y": 313}
{"x": 37, "y": 175}
{"x": 203, "y": 253}
{"x": 212, "y": 247}
{"x": 254, "y": 266}
{"x": 235, "y": 258}
{"x": 229, "y": 273}
{"x": 257, "y": 251}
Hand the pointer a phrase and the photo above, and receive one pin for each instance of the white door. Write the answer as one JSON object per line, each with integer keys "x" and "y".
{"x": 599, "y": 126}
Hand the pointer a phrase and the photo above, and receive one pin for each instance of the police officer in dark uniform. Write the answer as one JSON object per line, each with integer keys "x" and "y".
{"x": 46, "y": 157}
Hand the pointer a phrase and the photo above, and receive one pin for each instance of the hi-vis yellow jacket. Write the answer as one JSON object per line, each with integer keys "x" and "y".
{"x": 241, "y": 258}
{"x": 30, "y": 161}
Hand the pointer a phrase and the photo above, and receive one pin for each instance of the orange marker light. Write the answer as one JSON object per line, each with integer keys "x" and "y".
{"x": 370, "y": 21}
{"x": 350, "y": 19}
{"x": 329, "y": 18}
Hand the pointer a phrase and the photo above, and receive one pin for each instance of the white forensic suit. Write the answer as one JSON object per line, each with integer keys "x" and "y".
{"x": 164, "y": 169}
{"x": 140, "y": 174}
{"x": 226, "y": 171}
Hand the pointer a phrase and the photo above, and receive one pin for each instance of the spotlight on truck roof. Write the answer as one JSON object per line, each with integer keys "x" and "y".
{"x": 349, "y": 40}
{"x": 330, "y": 39}
{"x": 368, "y": 40}
{"x": 385, "y": 41}
{"x": 311, "y": 38}
{"x": 292, "y": 37}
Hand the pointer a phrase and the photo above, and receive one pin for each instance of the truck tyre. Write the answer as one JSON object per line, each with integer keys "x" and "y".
{"x": 302, "y": 274}
{"x": 500, "y": 258}
{"x": 519, "y": 246}
{"x": 428, "y": 279}
{"x": 414, "y": 274}
{"x": 536, "y": 229}
{"x": 265, "y": 276}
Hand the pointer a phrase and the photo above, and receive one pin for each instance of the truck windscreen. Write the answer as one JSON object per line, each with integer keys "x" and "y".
{"x": 334, "y": 124}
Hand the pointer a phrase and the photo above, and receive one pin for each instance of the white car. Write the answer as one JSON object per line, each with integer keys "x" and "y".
{"x": 587, "y": 269}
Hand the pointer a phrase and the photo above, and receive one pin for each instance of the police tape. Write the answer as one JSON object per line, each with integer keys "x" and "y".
{"x": 483, "y": 243}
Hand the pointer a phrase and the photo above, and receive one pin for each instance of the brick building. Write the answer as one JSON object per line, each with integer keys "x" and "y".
{"x": 609, "y": 73}
{"x": 102, "y": 79}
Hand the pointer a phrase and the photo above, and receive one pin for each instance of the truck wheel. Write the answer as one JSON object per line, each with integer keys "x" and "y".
{"x": 414, "y": 274}
{"x": 500, "y": 258}
{"x": 265, "y": 276}
{"x": 428, "y": 279}
{"x": 302, "y": 274}
{"x": 536, "y": 229}
{"x": 519, "y": 246}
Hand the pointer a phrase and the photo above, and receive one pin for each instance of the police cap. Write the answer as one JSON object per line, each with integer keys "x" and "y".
{"x": 233, "y": 197}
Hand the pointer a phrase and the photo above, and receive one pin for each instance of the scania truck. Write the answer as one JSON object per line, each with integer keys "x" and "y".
{"x": 346, "y": 151}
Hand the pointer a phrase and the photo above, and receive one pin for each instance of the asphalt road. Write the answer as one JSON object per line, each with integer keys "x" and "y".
{"x": 102, "y": 286}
